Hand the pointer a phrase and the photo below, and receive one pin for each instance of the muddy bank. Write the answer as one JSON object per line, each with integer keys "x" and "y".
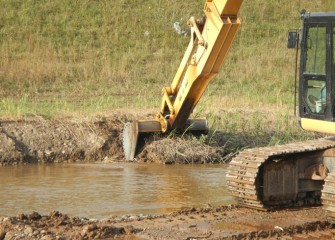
{"x": 36, "y": 140}
{"x": 44, "y": 141}
{"x": 229, "y": 222}
{"x": 66, "y": 140}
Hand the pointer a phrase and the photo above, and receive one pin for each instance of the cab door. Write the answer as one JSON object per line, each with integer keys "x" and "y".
{"x": 315, "y": 98}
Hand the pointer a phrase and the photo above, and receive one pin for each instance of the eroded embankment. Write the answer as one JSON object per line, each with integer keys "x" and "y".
{"x": 64, "y": 140}
{"x": 38, "y": 140}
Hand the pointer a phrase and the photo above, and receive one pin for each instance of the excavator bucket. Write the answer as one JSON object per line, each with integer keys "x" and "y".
{"x": 133, "y": 131}
{"x": 131, "y": 134}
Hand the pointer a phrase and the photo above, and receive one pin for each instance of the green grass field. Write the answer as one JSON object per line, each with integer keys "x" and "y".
{"x": 86, "y": 57}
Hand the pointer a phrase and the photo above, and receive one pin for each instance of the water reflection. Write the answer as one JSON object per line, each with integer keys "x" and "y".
{"x": 101, "y": 190}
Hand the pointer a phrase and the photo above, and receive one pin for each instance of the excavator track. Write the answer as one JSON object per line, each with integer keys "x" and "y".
{"x": 243, "y": 172}
{"x": 328, "y": 196}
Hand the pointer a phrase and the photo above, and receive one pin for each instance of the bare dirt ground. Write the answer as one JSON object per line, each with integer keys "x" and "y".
{"x": 228, "y": 222}
{"x": 100, "y": 139}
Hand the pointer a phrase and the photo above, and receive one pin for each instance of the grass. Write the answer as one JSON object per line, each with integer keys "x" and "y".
{"x": 63, "y": 57}
{"x": 88, "y": 53}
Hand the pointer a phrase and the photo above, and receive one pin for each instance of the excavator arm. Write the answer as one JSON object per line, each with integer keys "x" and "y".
{"x": 211, "y": 38}
{"x": 210, "y": 41}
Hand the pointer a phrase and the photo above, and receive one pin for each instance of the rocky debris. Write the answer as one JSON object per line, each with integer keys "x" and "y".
{"x": 57, "y": 226}
{"x": 289, "y": 232}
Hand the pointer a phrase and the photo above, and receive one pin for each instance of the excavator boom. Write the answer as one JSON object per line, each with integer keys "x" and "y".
{"x": 211, "y": 38}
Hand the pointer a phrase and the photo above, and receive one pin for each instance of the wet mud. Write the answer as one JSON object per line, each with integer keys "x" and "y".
{"x": 227, "y": 222}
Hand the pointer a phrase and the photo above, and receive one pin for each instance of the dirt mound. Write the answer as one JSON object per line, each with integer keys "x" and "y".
{"x": 38, "y": 140}
{"x": 180, "y": 150}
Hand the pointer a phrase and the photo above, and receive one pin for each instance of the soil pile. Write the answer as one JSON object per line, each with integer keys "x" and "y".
{"x": 180, "y": 150}
{"x": 38, "y": 140}
{"x": 66, "y": 140}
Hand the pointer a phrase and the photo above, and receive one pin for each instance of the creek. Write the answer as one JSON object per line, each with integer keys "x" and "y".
{"x": 103, "y": 190}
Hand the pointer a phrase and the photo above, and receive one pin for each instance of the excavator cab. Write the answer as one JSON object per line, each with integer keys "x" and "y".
{"x": 317, "y": 72}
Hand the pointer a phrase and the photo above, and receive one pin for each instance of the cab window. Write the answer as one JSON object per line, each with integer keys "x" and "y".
{"x": 315, "y": 69}
{"x": 316, "y": 50}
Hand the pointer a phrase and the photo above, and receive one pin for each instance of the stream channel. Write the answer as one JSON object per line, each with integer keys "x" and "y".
{"x": 103, "y": 190}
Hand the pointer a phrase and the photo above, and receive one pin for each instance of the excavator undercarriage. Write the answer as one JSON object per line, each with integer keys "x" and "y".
{"x": 291, "y": 175}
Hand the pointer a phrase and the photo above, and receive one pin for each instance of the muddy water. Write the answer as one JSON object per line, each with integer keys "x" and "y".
{"x": 102, "y": 190}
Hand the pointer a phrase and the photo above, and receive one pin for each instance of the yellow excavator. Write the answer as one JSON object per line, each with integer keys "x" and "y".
{"x": 291, "y": 175}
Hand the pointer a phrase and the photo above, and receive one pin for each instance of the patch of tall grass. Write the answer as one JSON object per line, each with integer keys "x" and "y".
{"x": 235, "y": 130}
